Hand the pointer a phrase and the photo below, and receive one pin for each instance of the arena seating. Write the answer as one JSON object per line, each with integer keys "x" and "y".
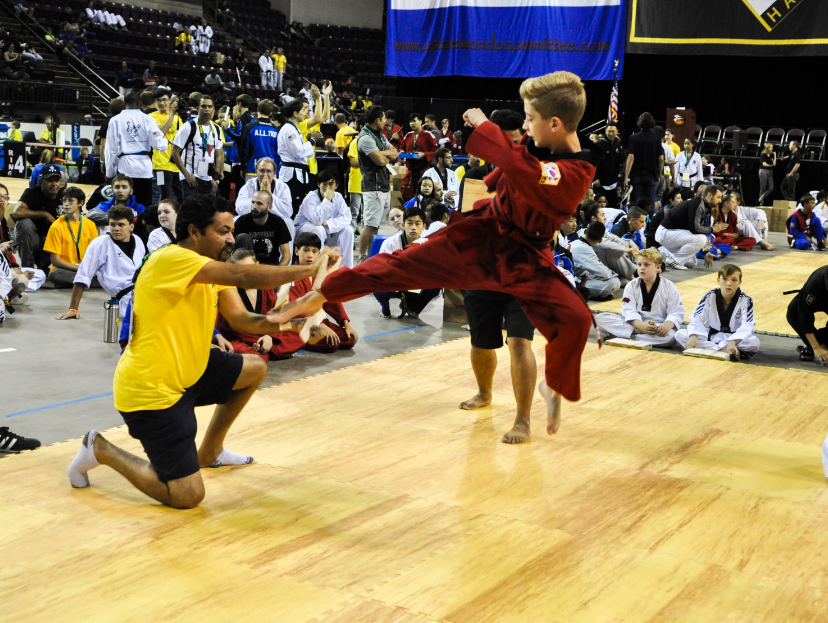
{"x": 715, "y": 140}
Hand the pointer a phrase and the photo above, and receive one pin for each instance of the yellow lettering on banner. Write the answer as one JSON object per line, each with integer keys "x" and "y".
{"x": 771, "y": 13}
{"x": 788, "y": 3}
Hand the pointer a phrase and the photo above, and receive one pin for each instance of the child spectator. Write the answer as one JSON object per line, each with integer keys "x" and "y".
{"x": 601, "y": 281}
{"x": 426, "y": 188}
{"x": 412, "y": 303}
{"x": 569, "y": 232}
{"x": 632, "y": 227}
{"x": 438, "y": 215}
{"x": 651, "y": 310}
{"x": 68, "y": 238}
{"x": 336, "y": 335}
{"x": 723, "y": 319}
{"x": 733, "y": 235}
{"x": 752, "y": 221}
{"x": 325, "y": 213}
{"x": 121, "y": 193}
{"x": 613, "y": 252}
{"x": 821, "y": 209}
{"x": 110, "y": 262}
{"x": 804, "y": 228}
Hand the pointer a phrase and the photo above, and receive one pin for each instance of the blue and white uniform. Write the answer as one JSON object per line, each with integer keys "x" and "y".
{"x": 715, "y": 324}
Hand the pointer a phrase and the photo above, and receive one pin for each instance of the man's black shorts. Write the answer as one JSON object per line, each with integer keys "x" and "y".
{"x": 487, "y": 312}
{"x": 168, "y": 435}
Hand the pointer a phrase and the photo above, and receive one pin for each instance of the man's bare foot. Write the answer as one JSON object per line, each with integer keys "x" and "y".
{"x": 767, "y": 246}
{"x": 518, "y": 434}
{"x": 309, "y": 304}
{"x": 479, "y": 401}
{"x": 553, "y": 408}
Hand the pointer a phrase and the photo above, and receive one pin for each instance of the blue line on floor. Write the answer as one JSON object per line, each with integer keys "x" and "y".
{"x": 71, "y": 402}
{"x": 60, "y": 404}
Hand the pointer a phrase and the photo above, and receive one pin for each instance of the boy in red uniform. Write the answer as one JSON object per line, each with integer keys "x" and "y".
{"x": 503, "y": 244}
{"x": 421, "y": 142}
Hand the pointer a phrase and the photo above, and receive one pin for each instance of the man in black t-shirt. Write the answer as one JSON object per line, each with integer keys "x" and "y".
{"x": 34, "y": 213}
{"x": 645, "y": 160}
{"x": 263, "y": 233}
{"x": 788, "y": 185}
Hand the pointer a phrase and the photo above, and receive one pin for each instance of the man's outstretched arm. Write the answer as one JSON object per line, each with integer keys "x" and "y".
{"x": 260, "y": 276}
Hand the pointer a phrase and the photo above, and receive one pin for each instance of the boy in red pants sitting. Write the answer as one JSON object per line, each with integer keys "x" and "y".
{"x": 503, "y": 244}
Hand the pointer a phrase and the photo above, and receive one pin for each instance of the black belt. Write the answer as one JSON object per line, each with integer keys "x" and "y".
{"x": 140, "y": 153}
{"x": 297, "y": 165}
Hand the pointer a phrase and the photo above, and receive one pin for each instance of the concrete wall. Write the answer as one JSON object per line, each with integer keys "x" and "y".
{"x": 359, "y": 13}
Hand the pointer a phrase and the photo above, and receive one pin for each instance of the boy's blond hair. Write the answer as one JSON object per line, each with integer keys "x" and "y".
{"x": 560, "y": 94}
{"x": 728, "y": 270}
{"x": 651, "y": 254}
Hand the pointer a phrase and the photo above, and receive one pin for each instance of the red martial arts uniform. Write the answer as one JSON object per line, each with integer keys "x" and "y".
{"x": 396, "y": 143}
{"x": 738, "y": 241}
{"x": 502, "y": 245}
{"x": 335, "y": 310}
{"x": 285, "y": 343}
{"x": 427, "y": 144}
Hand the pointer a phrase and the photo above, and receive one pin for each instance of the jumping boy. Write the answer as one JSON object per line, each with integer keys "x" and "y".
{"x": 503, "y": 244}
{"x": 651, "y": 310}
{"x": 723, "y": 319}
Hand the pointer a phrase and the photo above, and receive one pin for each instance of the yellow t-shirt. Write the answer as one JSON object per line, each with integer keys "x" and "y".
{"x": 279, "y": 61}
{"x": 460, "y": 172}
{"x": 172, "y": 327}
{"x": 355, "y": 178}
{"x": 183, "y": 38}
{"x": 341, "y": 139}
{"x": 305, "y": 131}
{"x": 161, "y": 159}
{"x": 60, "y": 241}
{"x": 16, "y": 135}
{"x": 45, "y": 136}
{"x": 676, "y": 149}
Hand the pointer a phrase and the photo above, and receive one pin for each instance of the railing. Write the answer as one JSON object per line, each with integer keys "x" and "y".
{"x": 96, "y": 83}
{"x": 46, "y": 93}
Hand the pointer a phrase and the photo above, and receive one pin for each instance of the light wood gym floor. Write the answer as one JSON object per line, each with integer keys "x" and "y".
{"x": 678, "y": 489}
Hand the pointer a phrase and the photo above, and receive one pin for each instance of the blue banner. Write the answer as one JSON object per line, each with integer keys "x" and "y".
{"x": 505, "y": 38}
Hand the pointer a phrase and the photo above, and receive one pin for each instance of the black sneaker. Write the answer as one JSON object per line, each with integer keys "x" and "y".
{"x": 12, "y": 444}
{"x": 806, "y": 353}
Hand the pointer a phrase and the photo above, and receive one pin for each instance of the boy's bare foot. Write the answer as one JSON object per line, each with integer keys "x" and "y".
{"x": 518, "y": 434}
{"x": 553, "y": 408}
{"x": 309, "y": 304}
{"x": 479, "y": 401}
{"x": 767, "y": 246}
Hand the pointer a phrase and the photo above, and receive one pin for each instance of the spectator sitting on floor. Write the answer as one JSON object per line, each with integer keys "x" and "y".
{"x": 733, "y": 235}
{"x": 438, "y": 215}
{"x": 267, "y": 180}
{"x": 47, "y": 157}
{"x": 804, "y": 228}
{"x": 110, "y": 261}
{"x": 395, "y": 217}
{"x": 35, "y": 211}
{"x": 263, "y": 232}
{"x": 121, "y": 193}
{"x": 411, "y": 303}
{"x": 164, "y": 234}
{"x": 68, "y": 239}
{"x": 632, "y": 227}
{"x": 427, "y": 188}
{"x": 441, "y": 172}
{"x": 613, "y": 252}
{"x": 601, "y": 282}
{"x": 685, "y": 228}
{"x": 325, "y": 213}
{"x": 336, "y": 335}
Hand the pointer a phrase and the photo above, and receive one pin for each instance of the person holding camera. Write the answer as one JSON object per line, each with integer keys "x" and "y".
{"x": 198, "y": 152}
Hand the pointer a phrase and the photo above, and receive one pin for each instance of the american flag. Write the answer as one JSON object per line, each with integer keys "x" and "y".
{"x": 612, "y": 115}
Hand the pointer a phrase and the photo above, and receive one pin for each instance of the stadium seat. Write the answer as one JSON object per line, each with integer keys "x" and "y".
{"x": 775, "y": 136}
{"x": 726, "y": 142}
{"x": 712, "y": 135}
{"x": 753, "y": 141}
{"x": 376, "y": 244}
{"x": 816, "y": 143}
{"x": 795, "y": 134}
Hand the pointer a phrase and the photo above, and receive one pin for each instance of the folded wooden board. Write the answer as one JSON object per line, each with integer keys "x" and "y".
{"x": 474, "y": 190}
{"x": 624, "y": 343}
{"x": 707, "y": 354}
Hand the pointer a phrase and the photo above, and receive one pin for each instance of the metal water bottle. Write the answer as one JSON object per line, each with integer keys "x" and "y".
{"x": 111, "y": 318}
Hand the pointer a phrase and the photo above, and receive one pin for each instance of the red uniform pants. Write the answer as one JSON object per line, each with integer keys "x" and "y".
{"x": 345, "y": 342}
{"x": 475, "y": 253}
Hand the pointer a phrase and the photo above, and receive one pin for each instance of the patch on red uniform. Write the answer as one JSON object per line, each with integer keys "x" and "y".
{"x": 550, "y": 173}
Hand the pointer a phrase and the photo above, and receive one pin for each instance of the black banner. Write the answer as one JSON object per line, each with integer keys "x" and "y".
{"x": 14, "y": 159}
{"x": 730, "y": 27}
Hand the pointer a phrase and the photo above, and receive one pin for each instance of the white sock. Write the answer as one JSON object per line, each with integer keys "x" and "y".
{"x": 231, "y": 458}
{"x": 84, "y": 461}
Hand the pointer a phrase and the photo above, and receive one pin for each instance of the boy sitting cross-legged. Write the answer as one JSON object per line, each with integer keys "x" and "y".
{"x": 723, "y": 319}
{"x": 651, "y": 309}
{"x": 336, "y": 335}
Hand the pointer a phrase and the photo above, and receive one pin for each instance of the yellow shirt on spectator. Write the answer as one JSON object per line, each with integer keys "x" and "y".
{"x": 342, "y": 140}
{"x": 16, "y": 135}
{"x": 172, "y": 327}
{"x": 355, "y": 178}
{"x": 279, "y": 61}
{"x": 161, "y": 159}
{"x": 305, "y": 131}
{"x": 45, "y": 136}
{"x": 60, "y": 241}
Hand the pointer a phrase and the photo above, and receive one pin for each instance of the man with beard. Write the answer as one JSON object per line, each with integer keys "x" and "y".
{"x": 168, "y": 367}
{"x": 263, "y": 232}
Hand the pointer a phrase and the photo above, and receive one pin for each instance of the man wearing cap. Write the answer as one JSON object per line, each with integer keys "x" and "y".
{"x": 34, "y": 214}
{"x": 131, "y": 137}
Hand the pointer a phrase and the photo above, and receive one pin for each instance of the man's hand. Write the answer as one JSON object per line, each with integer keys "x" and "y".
{"x": 67, "y": 315}
{"x": 327, "y": 89}
{"x": 474, "y": 117}
{"x": 691, "y": 343}
{"x": 733, "y": 350}
{"x": 719, "y": 227}
{"x": 51, "y": 219}
{"x": 333, "y": 255}
{"x": 264, "y": 344}
{"x": 190, "y": 179}
{"x": 315, "y": 91}
{"x": 822, "y": 355}
{"x": 709, "y": 258}
{"x": 631, "y": 250}
{"x": 663, "y": 329}
{"x": 391, "y": 153}
{"x": 420, "y": 155}
{"x": 5, "y": 246}
{"x": 395, "y": 136}
{"x": 450, "y": 195}
{"x": 351, "y": 333}
{"x": 327, "y": 334}
{"x": 214, "y": 185}
{"x": 317, "y": 136}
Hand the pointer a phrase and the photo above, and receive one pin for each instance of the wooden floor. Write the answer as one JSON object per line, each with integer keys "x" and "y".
{"x": 678, "y": 490}
{"x": 764, "y": 281}
{"x": 16, "y": 187}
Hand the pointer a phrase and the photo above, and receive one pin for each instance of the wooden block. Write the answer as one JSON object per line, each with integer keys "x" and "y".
{"x": 707, "y": 354}
{"x": 282, "y": 295}
{"x": 623, "y": 343}
{"x": 474, "y": 190}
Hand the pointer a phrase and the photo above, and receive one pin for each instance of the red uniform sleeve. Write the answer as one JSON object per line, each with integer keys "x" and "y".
{"x": 550, "y": 188}
{"x": 427, "y": 146}
{"x": 337, "y": 312}
{"x": 298, "y": 289}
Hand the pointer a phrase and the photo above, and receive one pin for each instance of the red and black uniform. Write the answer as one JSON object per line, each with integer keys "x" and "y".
{"x": 285, "y": 343}
{"x": 425, "y": 143}
{"x": 395, "y": 142}
{"x": 336, "y": 311}
{"x": 738, "y": 241}
{"x": 502, "y": 245}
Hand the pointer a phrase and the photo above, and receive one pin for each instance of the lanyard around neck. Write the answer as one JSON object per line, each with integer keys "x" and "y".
{"x": 71, "y": 233}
